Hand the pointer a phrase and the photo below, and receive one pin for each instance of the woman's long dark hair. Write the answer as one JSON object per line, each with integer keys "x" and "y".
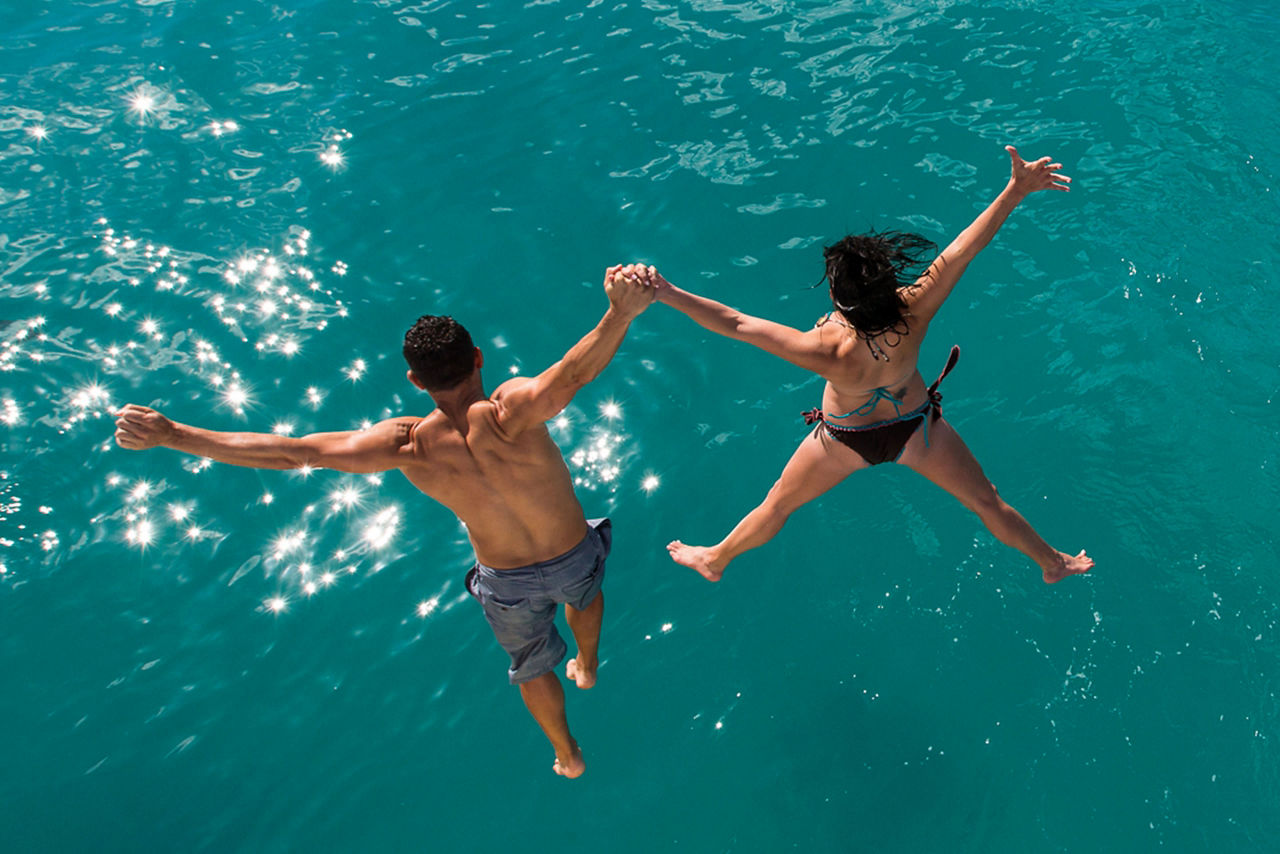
{"x": 867, "y": 272}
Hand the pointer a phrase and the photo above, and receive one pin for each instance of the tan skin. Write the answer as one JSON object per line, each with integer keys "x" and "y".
{"x": 488, "y": 458}
{"x": 834, "y": 351}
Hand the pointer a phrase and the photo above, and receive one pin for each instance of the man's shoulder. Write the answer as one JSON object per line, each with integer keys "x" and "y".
{"x": 508, "y": 398}
{"x": 512, "y": 385}
{"x": 434, "y": 437}
{"x": 431, "y": 429}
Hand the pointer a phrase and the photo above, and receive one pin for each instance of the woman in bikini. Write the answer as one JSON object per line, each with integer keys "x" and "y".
{"x": 876, "y": 407}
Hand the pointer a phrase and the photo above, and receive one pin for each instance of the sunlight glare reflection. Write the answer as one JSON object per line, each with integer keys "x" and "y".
{"x": 332, "y": 157}
{"x": 142, "y": 534}
{"x": 199, "y": 321}
{"x": 379, "y": 532}
{"x": 355, "y": 370}
{"x": 142, "y": 103}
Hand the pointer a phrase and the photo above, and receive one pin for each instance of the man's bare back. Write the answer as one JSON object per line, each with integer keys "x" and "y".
{"x": 514, "y": 493}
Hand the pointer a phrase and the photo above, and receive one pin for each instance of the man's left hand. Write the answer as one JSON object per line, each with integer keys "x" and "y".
{"x": 139, "y": 428}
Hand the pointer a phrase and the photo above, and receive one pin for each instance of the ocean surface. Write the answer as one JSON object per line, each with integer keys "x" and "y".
{"x": 231, "y": 210}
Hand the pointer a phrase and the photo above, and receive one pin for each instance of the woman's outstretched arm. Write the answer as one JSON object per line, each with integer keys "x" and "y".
{"x": 804, "y": 349}
{"x": 932, "y": 289}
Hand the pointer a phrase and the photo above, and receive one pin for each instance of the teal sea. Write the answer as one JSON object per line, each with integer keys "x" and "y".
{"x": 231, "y": 210}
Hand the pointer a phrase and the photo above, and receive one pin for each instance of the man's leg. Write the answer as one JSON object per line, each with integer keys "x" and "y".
{"x": 585, "y": 625}
{"x": 948, "y": 462}
{"x": 544, "y": 698}
{"x": 816, "y": 466}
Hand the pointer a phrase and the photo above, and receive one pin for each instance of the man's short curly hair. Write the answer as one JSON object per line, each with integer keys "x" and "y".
{"x": 439, "y": 352}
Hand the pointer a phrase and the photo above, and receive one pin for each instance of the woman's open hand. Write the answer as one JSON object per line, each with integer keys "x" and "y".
{"x": 1031, "y": 176}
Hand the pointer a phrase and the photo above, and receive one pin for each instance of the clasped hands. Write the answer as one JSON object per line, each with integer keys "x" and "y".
{"x": 633, "y": 287}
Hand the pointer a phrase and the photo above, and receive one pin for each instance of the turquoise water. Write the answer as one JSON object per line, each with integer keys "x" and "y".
{"x": 208, "y": 658}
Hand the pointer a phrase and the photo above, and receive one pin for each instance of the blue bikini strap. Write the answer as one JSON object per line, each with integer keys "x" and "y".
{"x": 932, "y": 402}
{"x": 877, "y": 394}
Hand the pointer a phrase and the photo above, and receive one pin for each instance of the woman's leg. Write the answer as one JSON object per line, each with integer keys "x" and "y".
{"x": 949, "y": 463}
{"x": 816, "y": 466}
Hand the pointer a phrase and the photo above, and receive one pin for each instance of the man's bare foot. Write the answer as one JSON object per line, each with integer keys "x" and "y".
{"x": 581, "y": 675}
{"x": 696, "y": 557}
{"x": 1067, "y": 565}
{"x": 570, "y": 766}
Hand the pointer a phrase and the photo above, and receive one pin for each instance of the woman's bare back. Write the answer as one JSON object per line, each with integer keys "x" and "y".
{"x": 861, "y": 366}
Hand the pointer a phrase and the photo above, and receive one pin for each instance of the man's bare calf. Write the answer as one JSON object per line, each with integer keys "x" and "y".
{"x": 585, "y": 625}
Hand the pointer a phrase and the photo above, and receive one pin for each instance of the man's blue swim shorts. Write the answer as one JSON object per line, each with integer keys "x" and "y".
{"x": 520, "y": 604}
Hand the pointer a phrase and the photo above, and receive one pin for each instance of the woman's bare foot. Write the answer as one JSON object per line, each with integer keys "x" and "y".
{"x": 696, "y": 557}
{"x": 581, "y": 675}
{"x": 570, "y": 766}
{"x": 1067, "y": 565}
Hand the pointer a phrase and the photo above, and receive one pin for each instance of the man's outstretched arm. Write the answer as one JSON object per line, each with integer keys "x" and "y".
{"x": 523, "y": 403}
{"x": 385, "y": 445}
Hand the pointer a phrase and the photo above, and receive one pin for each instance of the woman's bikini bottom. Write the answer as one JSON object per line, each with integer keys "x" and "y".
{"x": 884, "y": 441}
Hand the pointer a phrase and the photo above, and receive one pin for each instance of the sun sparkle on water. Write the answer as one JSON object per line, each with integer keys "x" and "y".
{"x": 142, "y": 103}
{"x": 332, "y": 157}
{"x": 141, "y": 534}
{"x": 347, "y": 496}
{"x": 382, "y": 529}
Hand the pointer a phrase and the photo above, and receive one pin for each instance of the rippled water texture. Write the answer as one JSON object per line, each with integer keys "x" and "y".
{"x": 231, "y": 211}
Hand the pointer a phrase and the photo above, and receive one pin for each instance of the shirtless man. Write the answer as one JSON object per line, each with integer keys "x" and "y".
{"x": 489, "y": 459}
